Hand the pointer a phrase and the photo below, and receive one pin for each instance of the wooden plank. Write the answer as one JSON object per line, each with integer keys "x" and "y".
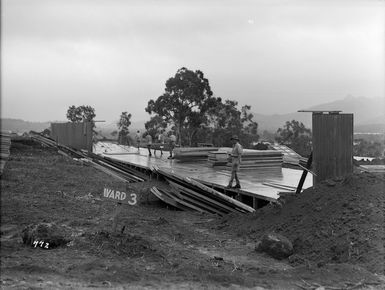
{"x": 278, "y": 186}
{"x": 211, "y": 191}
{"x": 201, "y": 197}
{"x": 167, "y": 199}
{"x": 184, "y": 184}
{"x": 220, "y": 195}
{"x": 194, "y": 201}
{"x": 189, "y": 205}
{"x": 122, "y": 172}
{"x": 303, "y": 177}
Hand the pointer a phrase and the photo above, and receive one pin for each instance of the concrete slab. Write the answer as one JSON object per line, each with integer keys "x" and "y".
{"x": 251, "y": 180}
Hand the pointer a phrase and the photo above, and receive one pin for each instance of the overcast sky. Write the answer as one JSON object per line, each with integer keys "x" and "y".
{"x": 277, "y": 56}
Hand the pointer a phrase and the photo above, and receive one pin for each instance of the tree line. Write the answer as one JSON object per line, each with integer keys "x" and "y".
{"x": 189, "y": 109}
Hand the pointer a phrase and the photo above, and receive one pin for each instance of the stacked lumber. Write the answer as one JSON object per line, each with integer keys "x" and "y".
{"x": 187, "y": 193}
{"x": 5, "y": 145}
{"x": 254, "y": 159}
{"x": 218, "y": 158}
{"x": 165, "y": 146}
{"x": 289, "y": 155}
{"x": 193, "y": 154}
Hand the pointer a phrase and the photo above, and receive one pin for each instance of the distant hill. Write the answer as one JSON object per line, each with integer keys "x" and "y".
{"x": 21, "y": 126}
{"x": 368, "y": 113}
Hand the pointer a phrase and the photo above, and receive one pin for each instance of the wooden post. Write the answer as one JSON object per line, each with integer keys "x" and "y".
{"x": 304, "y": 173}
{"x": 121, "y": 198}
{"x": 115, "y": 216}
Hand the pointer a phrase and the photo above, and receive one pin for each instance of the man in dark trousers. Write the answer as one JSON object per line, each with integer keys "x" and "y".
{"x": 138, "y": 137}
{"x": 236, "y": 158}
{"x": 172, "y": 142}
{"x": 149, "y": 143}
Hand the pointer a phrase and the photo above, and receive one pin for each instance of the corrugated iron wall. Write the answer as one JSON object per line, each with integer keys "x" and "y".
{"x": 332, "y": 145}
{"x": 75, "y": 135}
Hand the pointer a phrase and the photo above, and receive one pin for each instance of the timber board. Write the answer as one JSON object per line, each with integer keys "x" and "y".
{"x": 182, "y": 194}
{"x": 202, "y": 198}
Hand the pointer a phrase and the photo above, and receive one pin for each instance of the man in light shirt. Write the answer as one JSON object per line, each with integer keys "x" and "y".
{"x": 138, "y": 137}
{"x": 149, "y": 143}
{"x": 236, "y": 158}
{"x": 160, "y": 137}
{"x": 172, "y": 142}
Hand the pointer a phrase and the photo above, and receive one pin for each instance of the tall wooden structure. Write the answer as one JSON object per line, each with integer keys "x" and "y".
{"x": 75, "y": 135}
{"x": 332, "y": 144}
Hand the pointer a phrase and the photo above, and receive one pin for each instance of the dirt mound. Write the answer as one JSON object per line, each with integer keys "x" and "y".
{"x": 339, "y": 221}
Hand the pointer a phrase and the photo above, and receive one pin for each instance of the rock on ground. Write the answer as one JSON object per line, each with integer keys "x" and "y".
{"x": 276, "y": 245}
{"x": 44, "y": 235}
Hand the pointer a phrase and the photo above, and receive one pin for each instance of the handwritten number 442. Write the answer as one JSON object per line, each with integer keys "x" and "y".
{"x": 41, "y": 244}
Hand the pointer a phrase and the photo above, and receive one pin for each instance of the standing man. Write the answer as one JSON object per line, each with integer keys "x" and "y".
{"x": 149, "y": 143}
{"x": 161, "y": 142}
{"x": 138, "y": 139}
{"x": 172, "y": 145}
{"x": 236, "y": 158}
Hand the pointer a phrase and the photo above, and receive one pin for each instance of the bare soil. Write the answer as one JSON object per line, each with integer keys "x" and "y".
{"x": 156, "y": 247}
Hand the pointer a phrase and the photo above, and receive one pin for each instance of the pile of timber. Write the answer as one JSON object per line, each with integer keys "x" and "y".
{"x": 156, "y": 146}
{"x": 251, "y": 159}
{"x": 193, "y": 154}
{"x": 218, "y": 158}
{"x": 5, "y": 145}
{"x": 254, "y": 159}
{"x": 289, "y": 155}
{"x": 188, "y": 194}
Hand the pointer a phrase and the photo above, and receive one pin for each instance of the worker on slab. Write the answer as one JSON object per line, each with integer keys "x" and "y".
{"x": 149, "y": 143}
{"x": 172, "y": 142}
{"x": 236, "y": 158}
{"x": 138, "y": 139}
{"x": 160, "y": 137}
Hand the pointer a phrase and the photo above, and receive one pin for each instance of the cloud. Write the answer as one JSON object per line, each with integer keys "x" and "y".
{"x": 120, "y": 53}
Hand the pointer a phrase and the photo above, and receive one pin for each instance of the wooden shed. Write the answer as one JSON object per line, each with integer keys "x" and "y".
{"x": 332, "y": 145}
{"x": 75, "y": 135}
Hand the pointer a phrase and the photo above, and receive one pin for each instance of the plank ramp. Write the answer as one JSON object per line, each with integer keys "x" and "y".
{"x": 197, "y": 195}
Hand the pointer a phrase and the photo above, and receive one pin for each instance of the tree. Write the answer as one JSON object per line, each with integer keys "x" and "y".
{"x": 123, "y": 124}
{"x": 296, "y": 136}
{"x": 268, "y": 136}
{"x": 367, "y": 148}
{"x": 81, "y": 114}
{"x": 114, "y": 133}
{"x": 226, "y": 120}
{"x": 250, "y": 127}
{"x": 186, "y": 99}
{"x": 155, "y": 125}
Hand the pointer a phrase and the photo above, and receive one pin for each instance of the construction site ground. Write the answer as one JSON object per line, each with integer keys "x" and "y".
{"x": 337, "y": 230}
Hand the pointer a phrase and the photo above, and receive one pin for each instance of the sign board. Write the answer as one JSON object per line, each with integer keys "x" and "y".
{"x": 119, "y": 196}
